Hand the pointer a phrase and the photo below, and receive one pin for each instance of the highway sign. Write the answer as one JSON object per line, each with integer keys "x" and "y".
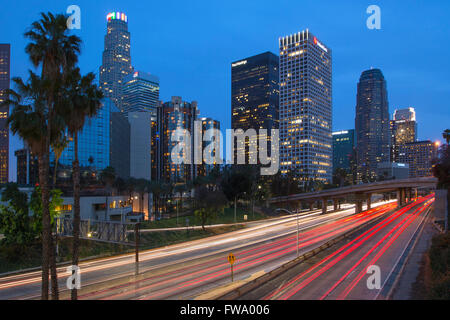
{"x": 231, "y": 259}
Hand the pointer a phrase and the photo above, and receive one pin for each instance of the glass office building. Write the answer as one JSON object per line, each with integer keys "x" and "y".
{"x": 255, "y": 97}
{"x": 306, "y": 107}
{"x": 103, "y": 142}
{"x": 343, "y": 145}
{"x": 173, "y": 115}
{"x": 5, "y": 63}
{"x": 372, "y": 124}
{"x": 403, "y": 130}
{"x": 140, "y": 93}
{"x": 116, "y": 61}
{"x": 419, "y": 156}
{"x": 208, "y": 125}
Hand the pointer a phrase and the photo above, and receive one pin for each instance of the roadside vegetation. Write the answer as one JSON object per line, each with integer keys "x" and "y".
{"x": 438, "y": 286}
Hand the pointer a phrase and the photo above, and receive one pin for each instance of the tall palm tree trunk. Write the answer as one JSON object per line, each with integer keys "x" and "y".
{"x": 76, "y": 211}
{"x": 46, "y": 219}
{"x": 56, "y": 170}
{"x": 54, "y": 275}
{"x": 43, "y": 174}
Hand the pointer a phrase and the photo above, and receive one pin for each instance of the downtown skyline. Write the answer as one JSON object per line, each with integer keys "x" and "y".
{"x": 201, "y": 72}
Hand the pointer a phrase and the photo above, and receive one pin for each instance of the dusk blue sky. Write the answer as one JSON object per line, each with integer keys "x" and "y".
{"x": 190, "y": 45}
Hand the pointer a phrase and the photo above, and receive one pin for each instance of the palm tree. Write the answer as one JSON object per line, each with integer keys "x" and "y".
{"x": 58, "y": 147}
{"x": 180, "y": 188}
{"x": 56, "y": 52}
{"x": 130, "y": 186}
{"x": 142, "y": 187}
{"x": 29, "y": 119}
{"x": 156, "y": 188}
{"x": 82, "y": 101}
{"x": 108, "y": 176}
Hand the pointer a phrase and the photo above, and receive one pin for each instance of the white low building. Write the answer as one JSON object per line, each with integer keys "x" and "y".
{"x": 120, "y": 208}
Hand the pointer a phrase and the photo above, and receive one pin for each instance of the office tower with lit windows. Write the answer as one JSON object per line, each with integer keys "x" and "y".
{"x": 371, "y": 124}
{"x": 419, "y": 156}
{"x": 255, "y": 98}
{"x": 403, "y": 130}
{"x": 140, "y": 92}
{"x": 173, "y": 115}
{"x": 208, "y": 125}
{"x": 5, "y": 63}
{"x": 116, "y": 57}
{"x": 343, "y": 146}
{"x": 305, "y": 107}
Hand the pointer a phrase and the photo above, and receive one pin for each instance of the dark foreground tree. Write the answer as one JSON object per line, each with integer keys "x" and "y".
{"x": 82, "y": 100}
{"x": 210, "y": 202}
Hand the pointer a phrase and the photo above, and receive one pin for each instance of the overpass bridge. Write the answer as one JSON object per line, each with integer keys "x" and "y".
{"x": 362, "y": 192}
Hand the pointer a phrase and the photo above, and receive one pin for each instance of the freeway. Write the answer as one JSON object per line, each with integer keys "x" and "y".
{"x": 350, "y": 270}
{"x": 190, "y": 269}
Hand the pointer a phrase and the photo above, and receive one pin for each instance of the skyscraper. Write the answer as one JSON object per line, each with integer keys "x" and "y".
{"x": 305, "y": 107}
{"x": 255, "y": 96}
{"x": 140, "y": 93}
{"x": 116, "y": 57}
{"x": 5, "y": 62}
{"x": 403, "y": 130}
{"x": 207, "y": 124}
{"x": 140, "y": 144}
{"x": 419, "y": 156}
{"x": 27, "y": 167}
{"x": 173, "y": 115}
{"x": 372, "y": 124}
{"x": 343, "y": 145}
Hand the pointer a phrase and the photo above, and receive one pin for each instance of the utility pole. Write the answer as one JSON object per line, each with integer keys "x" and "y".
{"x": 235, "y": 203}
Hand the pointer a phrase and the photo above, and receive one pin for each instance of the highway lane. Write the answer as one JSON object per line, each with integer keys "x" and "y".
{"x": 158, "y": 261}
{"x": 188, "y": 280}
{"x": 341, "y": 272}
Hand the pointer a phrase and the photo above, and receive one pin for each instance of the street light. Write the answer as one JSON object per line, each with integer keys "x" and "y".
{"x": 298, "y": 227}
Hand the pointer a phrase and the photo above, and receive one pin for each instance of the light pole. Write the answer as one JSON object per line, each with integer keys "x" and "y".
{"x": 298, "y": 227}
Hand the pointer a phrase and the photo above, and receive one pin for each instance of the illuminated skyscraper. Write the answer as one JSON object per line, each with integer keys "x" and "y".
{"x": 116, "y": 57}
{"x": 305, "y": 107}
{"x": 207, "y": 124}
{"x": 343, "y": 145}
{"x": 175, "y": 115}
{"x": 140, "y": 93}
{"x": 403, "y": 130}
{"x": 419, "y": 156}
{"x": 5, "y": 60}
{"x": 255, "y": 97}
{"x": 371, "y": 124}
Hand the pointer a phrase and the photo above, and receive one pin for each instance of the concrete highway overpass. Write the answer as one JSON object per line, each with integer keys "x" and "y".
{"x": 362, "y": 192}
